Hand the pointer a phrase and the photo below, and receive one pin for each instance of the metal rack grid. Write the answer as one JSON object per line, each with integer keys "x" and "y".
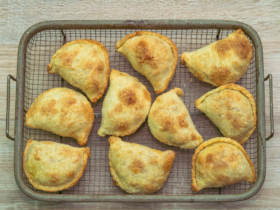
{"x": 97, "y": 179}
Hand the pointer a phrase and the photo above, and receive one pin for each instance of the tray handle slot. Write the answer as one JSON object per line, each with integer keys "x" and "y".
{"x": 269, "y": 77}
{"x": 8, "y": 106}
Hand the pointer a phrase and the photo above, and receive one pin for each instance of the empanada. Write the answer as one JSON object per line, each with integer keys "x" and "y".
{"x": 62, "y": 111}
{"x": 151, "y": 54}
{"x": 232, "y": 109}
{"x": 51, "y": 166}
{"x": 222, "y": 62}
{"x": 138, "y": 169}
{"x": 84, "y": 64}
{"x": 170, "y": 121}
{"x": 219, "y": 162}
{"x": 125, "y": 106}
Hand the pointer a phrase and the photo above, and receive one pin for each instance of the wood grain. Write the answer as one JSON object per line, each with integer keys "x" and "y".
{"x": 17, "y": 16}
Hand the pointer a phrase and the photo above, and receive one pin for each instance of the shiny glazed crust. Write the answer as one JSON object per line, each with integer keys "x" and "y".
{"x": 165, "y": 39}
{"x": 222, "y": 62}
{"x": 138, "y": 169}
{"x": 89, "y": 86}
{"x": 243, "y": 91}
{"x": 126, "y": 105}
{"x": 213, "y": 141}
{"x": 62, "y": 111}
{"x": 170, "y": 122}
{"x": 73, "y": 181}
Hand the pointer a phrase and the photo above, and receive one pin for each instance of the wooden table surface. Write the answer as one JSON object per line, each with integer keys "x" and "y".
{"x": 17, "y": 16}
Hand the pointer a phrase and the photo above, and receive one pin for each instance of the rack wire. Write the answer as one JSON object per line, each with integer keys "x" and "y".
{"x": 97, "y": 179}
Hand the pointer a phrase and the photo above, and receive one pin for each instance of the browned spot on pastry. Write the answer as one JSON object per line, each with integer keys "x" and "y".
{"x": 236, "y": 123}
{"x": 210, "y": 158}
{"x": 128, "y": 97}
{"x": 168, "y": 125}
{"x": 118, "y": 108}
{"x": 193, "y": 136}
{"x": 122, "y": 125}
{"x": 133, "y": 183}
{"x": 71, "y": 174}
{"x": 137, "y": 166}
{"x": 182, "y": 121}
{"x": 69, "y": 101}
{"x": 68, "y": 57}
{"x": 37, "y": 155}
{"x": 95, "y": 83}
{"x": 223, "y": 178}
{"x": 153, "y": 161}
{"x": 100, "y": 67}
{"x": 143, "y": 53}
{"x": 147, "y": 95}
{"x": 233, "y": 157}
{"x": 242, "y": 47}
{"x": 49, "y": 108}
{"x": 223, "y": 47}
{"x": 219, "y": 74}
{"x": 168, "y": 161}
{"x": 54, "y": 178}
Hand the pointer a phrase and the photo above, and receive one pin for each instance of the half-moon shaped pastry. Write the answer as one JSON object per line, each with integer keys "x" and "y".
{"x": 84, "y": 64}
{"x": 138, "y": 169}
{"x": 171, "y": 123}
{"x": 62, "y": 111}
{"x": 222, "y": 62}
{"x": 51, "y": 166}
{"x": 232, "y": 109}
{"x": 219, "y": 162}
{"x": 151, "y": 54}
{"x": 125, "y": 106}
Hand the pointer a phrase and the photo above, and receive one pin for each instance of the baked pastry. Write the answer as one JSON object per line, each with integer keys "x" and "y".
{"x": 151, "y": 54}
{"x": 84, "y": 64}
{"x": 62, "y": 111}
{"x": 171, "y": 123}
{"x": 125, "y": 106}
{"x": 232, "y": 109}
{"x": 138, "y": 169}
{"x": 222, "y": 62}
{"x": 219, "y": 162}
{"x": 51, "y": 166}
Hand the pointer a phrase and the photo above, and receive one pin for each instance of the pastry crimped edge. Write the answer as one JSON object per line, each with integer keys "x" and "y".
{"x": 164, "y": 38}
{"x": 213, "y": 141}
{"x": 54, "y": 189}
{"x": 242, "y": 90}
{"x": 106, "y": 55}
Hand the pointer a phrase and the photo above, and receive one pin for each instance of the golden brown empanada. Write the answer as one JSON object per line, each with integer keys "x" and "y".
{"x": 221, "y": 62}
{"x": 125, "y": 106}
{"x": 62, "y": 111}
{"x": 151, "y": 54}
{"x": 232, "y": 109}
{"x": 171, "y": 123}
{"x": 51, "y": 166}
{"x": 138, "y": 169}
{"x": 219, "y": 162}
{"x": 84, "y": 64}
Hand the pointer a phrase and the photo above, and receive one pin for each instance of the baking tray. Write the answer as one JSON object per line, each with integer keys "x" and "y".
{"x": 41, "y": 41}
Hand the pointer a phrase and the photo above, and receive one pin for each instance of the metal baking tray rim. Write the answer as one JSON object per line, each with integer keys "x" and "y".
{"x": 144, "y": 24}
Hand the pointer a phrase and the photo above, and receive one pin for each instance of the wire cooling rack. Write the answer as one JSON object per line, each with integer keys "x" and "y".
{"x": 97, "y": 179}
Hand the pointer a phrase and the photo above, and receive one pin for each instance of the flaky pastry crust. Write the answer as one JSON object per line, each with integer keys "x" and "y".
{"x": 151, "y": 54}
{"x": 221, "y": 164}
{"x": 51, "y": 166}
{"x": 84, "y": 63}
{"x": 170, "y": 122}
{"x": 222, "y": 62}
{"x": 232, "y": 109}
{"x": 138, "y": 169}
{"x": 62, "y": 111}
